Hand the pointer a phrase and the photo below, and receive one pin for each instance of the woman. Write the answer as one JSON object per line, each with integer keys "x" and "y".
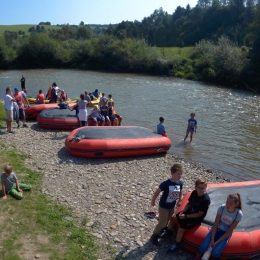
{"x": 227, "y": 218}
{"x": 83, "y": 113}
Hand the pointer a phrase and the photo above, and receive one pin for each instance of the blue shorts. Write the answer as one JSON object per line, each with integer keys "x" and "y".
{"x": 190, "y": 130}
{"x": 106, "y": 118}
{"x": 112, "y": 118}
{"x": 98, "y": 119}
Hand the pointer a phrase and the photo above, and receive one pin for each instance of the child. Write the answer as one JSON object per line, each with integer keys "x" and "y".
{"x": 172, "y": 191}
{"x": 192, "y": 127}
{"x": 10, "y": 184}
{"x": 96, "y": 116}
{"x": 104, "y": 112}
{"x": 161, "y": 127}
{"x": 63, "y": 104}
{"x": 192, "y": 214}
{"x": 227, "y": 218}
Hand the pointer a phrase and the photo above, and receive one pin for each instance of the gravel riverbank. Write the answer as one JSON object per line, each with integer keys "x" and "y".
{"x": 112, "y": 193}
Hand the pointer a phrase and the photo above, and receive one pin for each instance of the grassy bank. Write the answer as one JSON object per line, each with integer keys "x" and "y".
{"x": 173, "y": 52}
{"x": 37, "y": 225}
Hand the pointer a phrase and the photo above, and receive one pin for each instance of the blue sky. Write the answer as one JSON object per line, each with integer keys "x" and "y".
{"x": 89, "y": 11}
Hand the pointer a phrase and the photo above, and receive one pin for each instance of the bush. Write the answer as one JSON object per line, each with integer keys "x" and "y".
{"x": 191, "y": 76}
{"x": 179, "y": 74}
{"x": 208, "y": 73}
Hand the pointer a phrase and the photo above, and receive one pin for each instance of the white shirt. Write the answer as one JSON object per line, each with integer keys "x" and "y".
{"x": 23, "y": 94}
{"x": 8, "y": 102}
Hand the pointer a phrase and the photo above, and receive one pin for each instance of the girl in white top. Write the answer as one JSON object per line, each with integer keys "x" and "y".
{"x": 83, "y": 113}
{"x": 227, "y": 218}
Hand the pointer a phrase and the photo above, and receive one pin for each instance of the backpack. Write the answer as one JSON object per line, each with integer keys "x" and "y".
{"x": 53, "y": 92}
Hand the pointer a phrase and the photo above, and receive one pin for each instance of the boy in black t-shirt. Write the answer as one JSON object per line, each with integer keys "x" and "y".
{"x": 192, "y": 215}
{"x": 172, "y": 191}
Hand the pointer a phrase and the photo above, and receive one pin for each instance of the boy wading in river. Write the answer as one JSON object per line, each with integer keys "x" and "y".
{"x": 192, "y": 127}
{"x": 172, "y": 191}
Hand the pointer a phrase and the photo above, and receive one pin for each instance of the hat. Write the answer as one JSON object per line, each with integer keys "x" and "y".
{"x": 16, "y": 89}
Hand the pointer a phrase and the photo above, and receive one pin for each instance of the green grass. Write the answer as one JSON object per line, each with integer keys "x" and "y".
{"x": 24, "y": 27}
{"x": 36, "y": 224}
{"x": 173, "y": 52}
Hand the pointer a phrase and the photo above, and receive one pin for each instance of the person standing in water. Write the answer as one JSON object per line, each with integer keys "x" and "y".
{"x": 192, "y": 127}
{"x": 22, "y": 80}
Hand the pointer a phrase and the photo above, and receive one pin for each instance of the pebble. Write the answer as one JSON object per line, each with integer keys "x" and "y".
{"x": 37, "y": 256}
{"x": 112, "y": 193}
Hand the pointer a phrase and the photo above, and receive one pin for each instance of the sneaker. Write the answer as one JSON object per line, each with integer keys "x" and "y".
{"x": 154, "y": 240}
{"x": 11, "y": 132}
{"x": 24, "y": 125}
{"x": 18, "y": 126}
{"x": 173, "y": 249}
{"x": 166, "y": 233}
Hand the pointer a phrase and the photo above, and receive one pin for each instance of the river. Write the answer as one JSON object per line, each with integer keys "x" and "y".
{"x": 228, "y": 136}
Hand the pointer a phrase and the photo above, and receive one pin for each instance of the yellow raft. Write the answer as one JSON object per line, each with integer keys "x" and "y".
{"x": 32, "y": 100}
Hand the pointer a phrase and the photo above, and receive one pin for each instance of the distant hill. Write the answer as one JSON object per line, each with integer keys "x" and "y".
{"x": 24, "y": 27}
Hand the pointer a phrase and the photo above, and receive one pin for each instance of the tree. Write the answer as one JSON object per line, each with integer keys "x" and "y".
{"x": 81, "y": 23}
{"x": 84, "y": 33}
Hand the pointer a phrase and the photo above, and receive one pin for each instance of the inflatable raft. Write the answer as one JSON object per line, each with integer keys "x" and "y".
{"x": 113, "y": 141}
{"x": 245, "y": 241}
{"x": 62, "y": 119}
{"x": 32, "y": 100}
{"x": 33, "y": 111}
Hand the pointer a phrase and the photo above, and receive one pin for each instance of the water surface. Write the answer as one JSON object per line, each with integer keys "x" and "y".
{"x": 228, "y": 136}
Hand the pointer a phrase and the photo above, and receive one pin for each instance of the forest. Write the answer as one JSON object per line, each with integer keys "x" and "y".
{"x": 223, "y": 36}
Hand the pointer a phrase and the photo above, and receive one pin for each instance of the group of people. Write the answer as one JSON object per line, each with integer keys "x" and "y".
{"x": 14, "y": 107}
{"x": 192, "y": 127}
{"x": 227, "y": 218}
{"x": 102, "y": 114}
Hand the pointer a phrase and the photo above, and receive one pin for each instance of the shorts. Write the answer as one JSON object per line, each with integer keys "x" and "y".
{"x": 106, "y": 118}
{"x": 188, "y": 223}
{"x": 99, "y": 119}
{"x": 112, "y": 118}
{"x": 9, "y": 115}
{"x": 21, "y": 113}
{"x": 190, "y": 130}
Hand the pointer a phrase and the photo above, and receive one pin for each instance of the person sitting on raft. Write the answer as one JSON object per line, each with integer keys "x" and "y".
{"x": 87, "y": 97}
{"x": 40, "y": 98}
{"x": 102, "y": 99}
{"x": 91, "y": 96}
{"x": 227, "y": 218}
{"x": 104, "y": 112}
{"x": 10, "y": 184}
{"x": 161, "y": 127}
{"x": 63, "y": 96}
{"x": 110, "y": 99}
{"x": 96, "y": 116}
{"x": 192, "y": 215}
{"x": 96, "y": 93}
{"x": 118, "y": 117}
{"x": 63, "y": 104}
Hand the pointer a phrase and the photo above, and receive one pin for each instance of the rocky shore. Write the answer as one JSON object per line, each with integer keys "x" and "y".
{"x": 112, "y": 193}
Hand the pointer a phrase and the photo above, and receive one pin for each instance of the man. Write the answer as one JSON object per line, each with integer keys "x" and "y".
{"x": 87, "y": 97}
{"x": 54, "y": 93}
{"x": 24, "y": 93}
{"x": 19, "y": 99}
{"x": 22, "y": 80}
{"x": 9, "y": 99}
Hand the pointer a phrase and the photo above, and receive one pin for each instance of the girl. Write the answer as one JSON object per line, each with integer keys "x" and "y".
{"x": 227, "y": 218}
{"x": 83, "y": 113}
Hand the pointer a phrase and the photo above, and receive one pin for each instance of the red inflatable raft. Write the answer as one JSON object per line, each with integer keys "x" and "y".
{"x": 113, "y": 141}
{"x": 62, "y": 119}
{"x": 33, "y": 111}
{"x": 245, "y": 241}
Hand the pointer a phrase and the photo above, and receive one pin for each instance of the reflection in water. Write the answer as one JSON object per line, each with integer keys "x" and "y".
{"x": 228, "y": 134}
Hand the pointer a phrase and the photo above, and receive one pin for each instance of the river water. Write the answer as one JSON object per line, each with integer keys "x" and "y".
{"x": 228, "y": 136}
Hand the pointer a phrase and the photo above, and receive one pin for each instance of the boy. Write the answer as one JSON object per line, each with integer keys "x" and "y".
{"x": 10, "y": 184}
{"x": 161, "y": 127}
{"x": 172, "y": 191}
{"x": 192, "y": 127}
{"x": 192, "y": 214}
{"x": 105, "y": 113}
